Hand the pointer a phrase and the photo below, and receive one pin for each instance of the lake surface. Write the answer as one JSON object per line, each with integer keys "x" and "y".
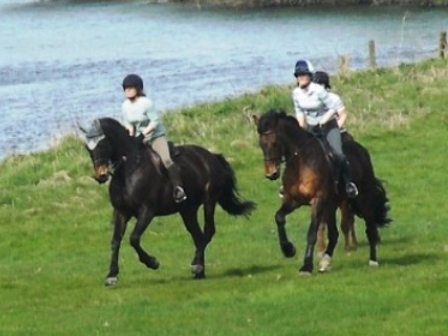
{"x": 64, "y": 61}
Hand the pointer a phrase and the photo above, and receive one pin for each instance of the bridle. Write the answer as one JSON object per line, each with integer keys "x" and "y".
{"x": 112, "y": 167}
{"x": 275, "y": 159}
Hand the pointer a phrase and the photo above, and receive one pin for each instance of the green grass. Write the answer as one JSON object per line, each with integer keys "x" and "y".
{"x": 55, "y": 231}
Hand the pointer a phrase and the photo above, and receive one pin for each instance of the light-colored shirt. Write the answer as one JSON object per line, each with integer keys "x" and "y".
{"x": 139, "y": 114}
{"x": 338, "y": 104}
{"x": 313, "y": 102}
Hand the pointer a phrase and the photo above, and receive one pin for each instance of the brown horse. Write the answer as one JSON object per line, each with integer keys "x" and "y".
{"x": 347, "y": 227}
{"x": 309, "y": 179}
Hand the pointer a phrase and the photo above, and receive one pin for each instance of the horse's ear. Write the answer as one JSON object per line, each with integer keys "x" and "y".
{"x": 255, "y": 118}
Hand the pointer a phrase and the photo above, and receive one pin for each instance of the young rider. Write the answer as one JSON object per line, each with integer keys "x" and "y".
{"x": 142, "y": 122}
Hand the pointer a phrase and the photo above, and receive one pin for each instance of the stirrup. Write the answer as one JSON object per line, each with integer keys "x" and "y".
{"x": 179, "y": 195}
{"x": 351, "y": 190}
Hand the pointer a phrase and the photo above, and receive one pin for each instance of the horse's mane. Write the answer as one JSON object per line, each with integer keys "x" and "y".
{"x": 114, "y": 126}
{"x": 116, "y": 131}
{"x": 270, "y": 119}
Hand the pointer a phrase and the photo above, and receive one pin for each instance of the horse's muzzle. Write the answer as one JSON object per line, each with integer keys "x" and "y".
{"x": 273, "y": 176}
{"x": 101, "y": 174}
{"x": 272, "y": 170}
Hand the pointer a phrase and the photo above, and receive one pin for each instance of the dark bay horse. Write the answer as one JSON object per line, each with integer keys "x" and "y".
{"x": 140, "y": 188}
{"x": 309, "y": 179}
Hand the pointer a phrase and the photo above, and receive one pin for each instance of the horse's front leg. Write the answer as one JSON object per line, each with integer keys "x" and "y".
{"x": 144, "y": 219}
{"x": 316, "y": 219}
{"x": 287, "y": 247}
{"x": 333, "y": 234}
{"x": 120, "y": 222}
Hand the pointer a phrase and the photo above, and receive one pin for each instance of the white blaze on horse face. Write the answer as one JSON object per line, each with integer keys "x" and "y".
{"x": 93, "y": 142}
{"x": 270, "y": 168}
{"x": 100, "y": 170}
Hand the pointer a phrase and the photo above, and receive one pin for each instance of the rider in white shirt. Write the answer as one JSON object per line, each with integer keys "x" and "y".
{"x": 314, "y": 107}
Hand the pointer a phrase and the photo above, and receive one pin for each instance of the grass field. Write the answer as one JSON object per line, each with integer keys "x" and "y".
{"x": 55, "y": 231}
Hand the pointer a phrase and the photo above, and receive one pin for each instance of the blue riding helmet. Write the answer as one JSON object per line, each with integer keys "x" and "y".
{"x": 303, "y": 67}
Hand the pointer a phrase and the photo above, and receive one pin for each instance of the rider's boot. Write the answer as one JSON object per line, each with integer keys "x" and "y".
{"x": 174, "y": 176}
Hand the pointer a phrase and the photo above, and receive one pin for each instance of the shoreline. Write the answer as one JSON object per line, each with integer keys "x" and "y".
{"x": 247, "y": 4}
{"x": 270, "y": 96}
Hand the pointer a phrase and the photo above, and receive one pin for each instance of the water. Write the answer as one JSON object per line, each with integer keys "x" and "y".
{"x": 64, "y": 61}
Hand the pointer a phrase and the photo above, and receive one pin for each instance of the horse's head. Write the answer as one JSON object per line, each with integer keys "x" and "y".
{"x": 100, "y": 150}
{"x": 270, "y": 142}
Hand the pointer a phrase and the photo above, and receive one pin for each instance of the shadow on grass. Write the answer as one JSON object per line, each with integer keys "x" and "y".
{"x": 412, "y": 259}
{"x": 247, "y": 271}
{"x": 387, "y": 241}
{"x": 169, "y": 279}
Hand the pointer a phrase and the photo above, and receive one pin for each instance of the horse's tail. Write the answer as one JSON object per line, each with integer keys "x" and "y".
{"x": 230, "y": 200}
{"x": 380, "y": 204}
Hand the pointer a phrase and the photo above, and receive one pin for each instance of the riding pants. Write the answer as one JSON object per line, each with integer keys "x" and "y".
{"x": 160, "y": 146}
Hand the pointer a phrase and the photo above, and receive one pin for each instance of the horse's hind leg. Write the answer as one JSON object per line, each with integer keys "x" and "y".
{"x": 321, "y": 245}
{"x": 209, "y": 216}
{"x": 120, "y": 222}
{"x": 372, "y": 236}
{"x": 143, "y": 221}
{"x": 371, "y": 230}
{"x": 190, "y": 218}
{"x": 348, "y": 226}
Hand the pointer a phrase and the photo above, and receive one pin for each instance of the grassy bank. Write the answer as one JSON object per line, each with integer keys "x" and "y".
{"x": 55, "y": 232}
{"x": 302, "y": 3}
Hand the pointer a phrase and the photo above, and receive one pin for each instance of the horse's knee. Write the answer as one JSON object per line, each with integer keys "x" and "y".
{"x": 134, "y": 240}
{"x": 210, "y": 231}
{"x": 280, "y": 218}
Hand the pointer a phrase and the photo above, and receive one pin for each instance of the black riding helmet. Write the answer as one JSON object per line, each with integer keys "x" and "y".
{"x": 322, "y": 78}
{"x": 133, "y": 81}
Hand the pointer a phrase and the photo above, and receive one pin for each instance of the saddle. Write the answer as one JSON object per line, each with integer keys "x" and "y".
{"x": 319, "y": 133}
{"x": 174, "y": 150}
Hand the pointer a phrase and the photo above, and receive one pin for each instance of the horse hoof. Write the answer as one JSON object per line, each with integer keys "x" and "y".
{"x": 373, "y": 263}
{"x": 305, "y": 273}
{"x": 305, "y": 270}
{"x": 153, "y": 264}
{"x": 199, "y": 276}
{"x": 325, "y": 263}
{"x": 197, "y": 269}
{"x": 111, "y": 281}
{"x": 288, "y": 249}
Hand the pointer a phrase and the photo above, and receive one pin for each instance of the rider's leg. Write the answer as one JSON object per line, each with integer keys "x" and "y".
{"x": 334, "y": 139}
{"x": 160, "y": 145}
